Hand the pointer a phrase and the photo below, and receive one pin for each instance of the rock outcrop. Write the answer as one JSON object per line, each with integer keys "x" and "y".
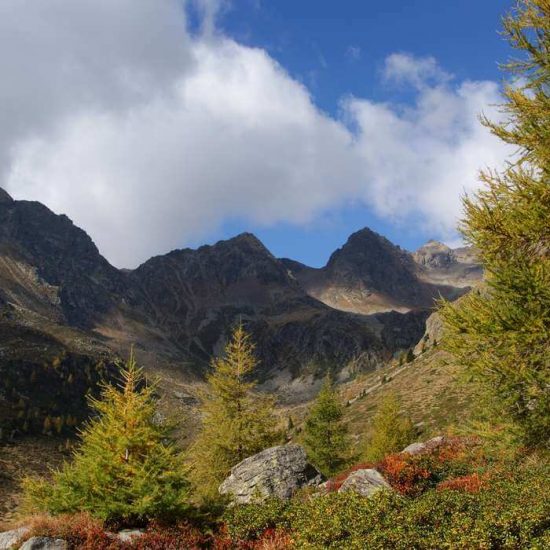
{"x": 433, "y": 334}
{"x": 365, "y": 482}
{"x": 9, "y": 539}
{"x": 44, "y": 543}
{"x": 276, "y": 472}
{"x": 425, "y": 446}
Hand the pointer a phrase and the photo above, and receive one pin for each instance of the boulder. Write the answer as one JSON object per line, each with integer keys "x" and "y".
{"x": 275, "y": 472}
{"x": 44, "y": 543}
{"x": 9, "y": 538}
{"x": 126, "y": 535}
{"x": 365, "y": 482}
{"x": 423, "y": 447}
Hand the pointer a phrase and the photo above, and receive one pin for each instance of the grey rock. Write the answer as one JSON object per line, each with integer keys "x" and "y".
{"x": 44, "y": 543}
{"x": 422, "y": 447}
{"x": 9, "y": 538}
{"x": 365, "y": 482}
{"x": 127, "y": 535}
{"x": 275, "y": 472}
{"x": 432, "y": 335}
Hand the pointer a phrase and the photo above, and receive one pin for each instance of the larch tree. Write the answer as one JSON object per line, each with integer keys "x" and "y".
{"x": 501, "y": 332}
{"x": 237, "y": 421}
{"x": 391, "y": 430}
{"x": 126, "y": 468}
{"x": 326, "y": 436}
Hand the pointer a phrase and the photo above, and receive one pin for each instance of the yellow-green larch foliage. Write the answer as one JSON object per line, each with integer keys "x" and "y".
{"x": 126, "y": 468}
{"x": 326, "y": 436}
{"x": 391, "y": 430}
{"x": 501, "y": 332}
{"x": 237, "y": 421}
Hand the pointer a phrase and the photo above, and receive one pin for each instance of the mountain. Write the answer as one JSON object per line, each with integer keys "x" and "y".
{"x": 369, "y": 274}
{"x": 195, "y": 296}
{"x": 67, "y": 314}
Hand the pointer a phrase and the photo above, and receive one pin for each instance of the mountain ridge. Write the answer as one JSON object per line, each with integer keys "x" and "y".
{"x": 177, "y": 309}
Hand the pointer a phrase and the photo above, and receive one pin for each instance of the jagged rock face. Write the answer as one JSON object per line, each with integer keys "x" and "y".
{"x": 276, "y": 472}
{"x": 369, "y": 260}
{"x": 60, "y": 257}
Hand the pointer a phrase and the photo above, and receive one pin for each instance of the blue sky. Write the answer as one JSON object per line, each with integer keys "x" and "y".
{"x": 338, "y": 48}
{"x": 161, "y": 124}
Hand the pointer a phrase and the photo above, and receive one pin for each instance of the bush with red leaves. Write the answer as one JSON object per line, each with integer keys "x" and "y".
{"x": 470, "y": 484}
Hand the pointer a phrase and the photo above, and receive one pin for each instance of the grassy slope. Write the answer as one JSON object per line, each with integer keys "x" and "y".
{"x": 428, "y": 387}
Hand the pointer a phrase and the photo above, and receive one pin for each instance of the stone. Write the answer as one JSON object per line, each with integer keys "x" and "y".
{"x": 44, "y": 543}
{"x": 423, "y": 447}
{"x": 127, "y": 535}
{"x": 365, "y": 482}
{"x": 9, "y": 538}
{"x": 276, "y": 472}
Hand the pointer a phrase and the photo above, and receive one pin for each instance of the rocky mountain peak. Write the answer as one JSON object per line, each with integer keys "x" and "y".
{"x": 373, "y": 260}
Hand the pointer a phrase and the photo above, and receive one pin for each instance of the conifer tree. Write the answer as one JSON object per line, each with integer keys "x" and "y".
{"x": 501, "y": 333}
{"x": 237, "y": 421}
{"x": 326, "y": 435}
{"x": 125, "y": 469}
{"x": 392, "y": 431}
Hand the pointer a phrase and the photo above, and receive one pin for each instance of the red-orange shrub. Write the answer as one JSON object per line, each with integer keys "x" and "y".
{"x": 470, "y": 484}
{"x": 405, "y": 473}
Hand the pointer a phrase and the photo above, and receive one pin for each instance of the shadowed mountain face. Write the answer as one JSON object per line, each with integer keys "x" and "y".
{"x": 179, "y": 308}
{"x": 53, "y": 267}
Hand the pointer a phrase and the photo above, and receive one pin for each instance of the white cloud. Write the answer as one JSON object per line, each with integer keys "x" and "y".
{"x": 149, "y": 138}
{"x": 405, "y": 68}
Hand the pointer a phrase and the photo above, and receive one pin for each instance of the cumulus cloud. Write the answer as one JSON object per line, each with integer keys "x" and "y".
{"x": 149, "y": 138}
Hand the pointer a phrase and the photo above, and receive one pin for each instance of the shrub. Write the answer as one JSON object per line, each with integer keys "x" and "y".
{"x": 413, "y": 474}
{"x": 250, "y": 521}
{"x": 512, "y": 512}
